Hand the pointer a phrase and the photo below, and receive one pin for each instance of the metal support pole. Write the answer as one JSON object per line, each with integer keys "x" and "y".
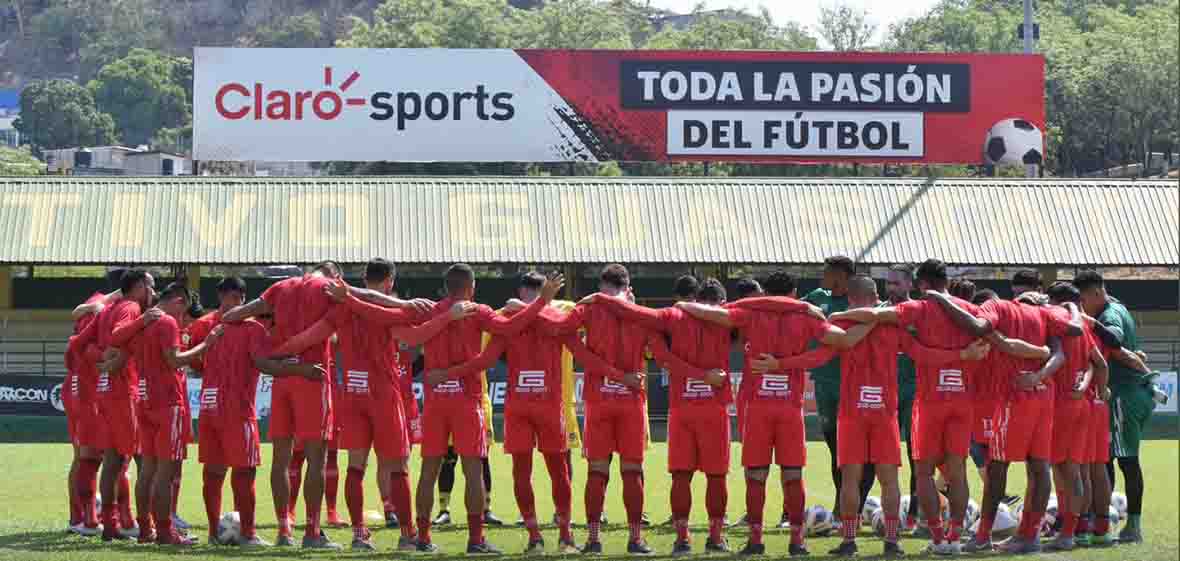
{"x": 1030, "y": 170}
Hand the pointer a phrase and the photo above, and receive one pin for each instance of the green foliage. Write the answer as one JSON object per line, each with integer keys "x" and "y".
{"x": 80, "y": 36}
{"x": 460, "y": 24}
{"x": 845, "y": 28}
{"x": 145, "y": 91}
{"x": 62, "y": 114}
{"x": 755, "y": 32}
{"x": 303, "y": 30}
{"x": 19, "y": 162}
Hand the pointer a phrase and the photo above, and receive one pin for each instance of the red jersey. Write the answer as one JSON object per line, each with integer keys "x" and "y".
{"x": 297, "y": 304}
{"x": 195, "y": 334}
{"x": 462, "y": 341}
{"x": 368, "y": 355}
{"x": 165, "y": 385}
{"x": 81, "y": 374}
{"x": 230, "y": 383}
{"x": 780, "y": 335}
{"x": 115, "y": 327}
{"x": 1107, "y": 352}
{"x": 934, "y": 329}
{"x": 696, "y": 347}
{"x": 621, "y": 345}
{"x": 1032, "y": 324}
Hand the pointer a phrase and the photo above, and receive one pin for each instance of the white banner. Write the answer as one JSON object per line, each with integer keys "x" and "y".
{"x": 1167, "y": 383}
{"x": 376, "y": 105}
{"x": 795, "y": 133}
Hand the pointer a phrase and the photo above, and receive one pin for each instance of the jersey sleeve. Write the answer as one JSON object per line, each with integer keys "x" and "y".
{"x": 319, "y": 332}
{"x": 648, "y": 318}
{"x": 168, "y": 334}
{"x": 567, "y": 324}
{"x": 127, "y": 325}
{"x": 813, "y": 358}
{"x": 909, "y": 312}
{"x": 588, "y": 359}
{"x": 258, "y": 342}
{"x": 740, "y": 317}
{"x": 677, "y": 366}
{"x": 909, "y": 345}
{"x": 813, "y": 328}
{"x": 1056, "y": 321}
{"x": 276, "y": 291}
{"x": 379, "y": 315}
{"x": 780, "y": 304}
{"x": 497, "y": 324}
{"x": 1114, "y": 324}
{"x": 483, "y": 361}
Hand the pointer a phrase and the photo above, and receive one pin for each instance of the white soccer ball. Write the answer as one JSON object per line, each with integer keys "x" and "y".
{"x": 872, "y": 504}
{"x": 818, "y": 521}
{"x": 97, "y": 502}
{"x": 972, "y": 513}
{"x": 1113, "y": 515}
{"x": 1006, "y": 522}
{"x": 904, "y": 505}
{"x": 229, "y": 528}
{"x": 1119, "y": 502}
{"x": 878, "y": 522}
{"x": 1018, "y": 510}
{"x": 1014, "y": 141}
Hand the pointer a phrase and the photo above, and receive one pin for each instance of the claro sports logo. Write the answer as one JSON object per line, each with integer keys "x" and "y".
{"x": 236, "y": 102}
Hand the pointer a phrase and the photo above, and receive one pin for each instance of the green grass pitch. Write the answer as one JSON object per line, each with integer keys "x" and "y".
{"x": 33, "y": 511}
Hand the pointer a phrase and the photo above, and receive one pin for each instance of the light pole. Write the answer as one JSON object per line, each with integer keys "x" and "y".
{"x": 1030, "y": 170}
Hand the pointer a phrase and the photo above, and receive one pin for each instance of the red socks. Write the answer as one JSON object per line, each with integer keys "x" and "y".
{"x": 1069, "y": 524}
{"x": 796, "y": 498}
{"x": 354, "y": 496}
{"x": 595, "y": 497}
{"x": 474, "y": 529}
{"x": 211, "y": 491}
{"x": 891, "y": 525}
{"x": 850, "y": 525}
{"x": 399, "y": 496}
{"x": 559, "y": 476}
{"x": 87, "y": 483}
{"x": 633, "y": 502}
{"x": 522, "y": 486}
{"x": 935, "y": 525}
{"x": 1030, "y": 524}
{"x": 716, "y": 501}
{"x": 755, "y": 504}
{"x": 681, "y": 502}
{"x": 331, "y": 483}
{"x": 126, "y": 520}
{"x": 176, "y": 487}
{"x": 242, "y": 481}
{"x": 423, "y": 528}
{"x": 984, "y": 532}
{"x": 954, "y": 531}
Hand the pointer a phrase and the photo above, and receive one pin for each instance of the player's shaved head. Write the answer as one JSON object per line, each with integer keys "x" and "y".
{"x": 862, "y": 290}
{"x": 459, "y": 278}
{"x": 1026, "y": 280}
{"x": 378, "y": 270}
{"x": 1092, "y": 287}
{"x": 1061, "y": 292}
{"x": 961, "y": 288}
{"x": 131, "y": 280}
{"x": 687, "y": 287}
{"x": 712, "y": 292}
{"x": 983, "y": 296}
{"x": 780, "y": 283}
{"x": 615, "y": 276}
{"x": 1089, "y": 279}
{"x": 932, "y": 272}
{"x": 173, "y": 291}
{"x": 532, "y": 280}
{"x": 747, "y": 287}
{"x": 231, "y": 284}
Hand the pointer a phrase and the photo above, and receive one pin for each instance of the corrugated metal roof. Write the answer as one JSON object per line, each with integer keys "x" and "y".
{"x": 556, "y": 220}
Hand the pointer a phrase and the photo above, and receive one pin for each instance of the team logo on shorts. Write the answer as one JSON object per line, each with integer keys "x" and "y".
{"x": 530, "y": 381}
{"x": 104, "y": 382}
{"x": 356, "y": 382}
{"x": 775, "y": 385}
{"x": 988, "y": 431}
{"x": 614, "y": 388}
{"x": 208, "y": 399}
{"x": 871, "y": 397}
{"x": 696, "y": 389}
{"x": 449, "y": 386}
{"x": 141, "y": 390}
{"x": 951, "y": 381}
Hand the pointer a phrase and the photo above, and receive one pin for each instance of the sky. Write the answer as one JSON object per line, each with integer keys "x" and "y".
{"x": 806, "y": 12}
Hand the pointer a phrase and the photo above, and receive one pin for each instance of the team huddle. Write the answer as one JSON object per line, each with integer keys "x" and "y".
{"x": 1048, "y": 379}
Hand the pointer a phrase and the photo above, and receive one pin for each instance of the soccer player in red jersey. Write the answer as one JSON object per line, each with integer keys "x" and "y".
{"x": 943, "y": 415}
{"x": 301, "y": 408}
{"x": 867, "y": 422}
{"x": 1023, "y": 421}
{"x": 165, "y": 432}
{"x": 454, "y": 411}
{"x": 699, "y": 396}
{"x": 773, "y": 427}
{"x": 534, "y": 413}
{"x": 82, "y": 419}
{"x": 116, "y": 390}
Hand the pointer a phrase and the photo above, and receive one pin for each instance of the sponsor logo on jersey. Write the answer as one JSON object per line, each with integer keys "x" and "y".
{"x": 697, "y": 389}
{"x": 449, "y": 387}
{"x": 208, "y": 399}
{"x": 775, "y": 386}
{"x": 871, "y": 397}
{"x": 530, "y": 382}
{"x": 612, "y": 387}
{"x": 356, "y": 382}
{"x": 951, "y": 381}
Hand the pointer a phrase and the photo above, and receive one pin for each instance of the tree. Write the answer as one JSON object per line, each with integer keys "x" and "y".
{"x": 62, "y": 114}
{"x": 144, "y": 92}
{"x": 458, "y": 24}
{"x": 572, "y": 24}
{"x": 845, "y": 28}
{"x": 747, "y": 32}
{"x": 19, "y": 162}
{"x": 296, "y": 31}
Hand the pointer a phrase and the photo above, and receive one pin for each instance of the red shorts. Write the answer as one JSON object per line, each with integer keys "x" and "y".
{"x": 941, "y": 428}
{"x": 773, "y": 432}
{"x": 615, "y": 426}
{"x": 84, "y": 425}
{"x": 530, "y": 424}
{"x": 1071, "y": 440}
{"x": 454, "y": 422}
{"x": 118, "y": 426}
{"x": 982, "y": 432}
{"x": 698, "y": 439}
{"x": 229, "y": 442}
{"x": 301, "y": 409}
{"x": 1023, "y": 430}
{"x": 165, "y": 433}
{"x": 868, "y": 439}
{"x": 1098, "y": 452}
{"x": 368, "y": 423}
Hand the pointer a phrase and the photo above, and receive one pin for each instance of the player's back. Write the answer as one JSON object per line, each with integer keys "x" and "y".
{"x": 703, "y": 344}
{"x": 934, "y": 328}
{"x": 619, "y": 343}
{"x": 297, "y": 303}
{"x": 365, "y": 348}
{"x": 778, "y": 334}
{"x": 460, "y": 341}
{"x": 534, "y": 350}
{"x": 871, "y": 363}
{"x": 123, "y": 384}
{"x": 231, "y": 371}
